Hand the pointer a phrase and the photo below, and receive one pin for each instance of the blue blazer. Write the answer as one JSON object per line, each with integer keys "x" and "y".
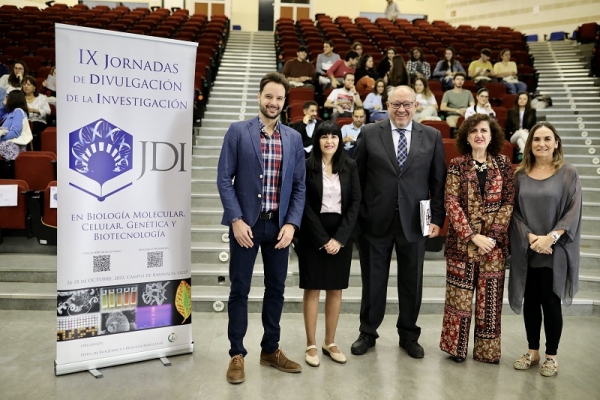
{"x": 240, "y": 171}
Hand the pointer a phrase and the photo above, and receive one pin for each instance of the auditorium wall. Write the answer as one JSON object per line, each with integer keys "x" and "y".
{"x": 539, "y": 17}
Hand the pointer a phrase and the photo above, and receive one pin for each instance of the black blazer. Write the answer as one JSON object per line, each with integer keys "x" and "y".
{"x": 529, "y": 120}
{"x": 311, "y": 227}
{"x": 300, "y": 126}
{"x": 386, "y": 188}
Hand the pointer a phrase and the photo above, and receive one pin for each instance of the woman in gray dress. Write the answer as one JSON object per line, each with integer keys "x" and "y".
{"x": 545, "y": 234}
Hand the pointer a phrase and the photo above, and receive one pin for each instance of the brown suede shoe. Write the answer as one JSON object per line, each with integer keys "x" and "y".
{"x": 235, "y": 372}
{"x": 279, "y": 360}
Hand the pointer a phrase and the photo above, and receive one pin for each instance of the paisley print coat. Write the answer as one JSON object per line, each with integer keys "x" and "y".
{"x": 470, "y": 213}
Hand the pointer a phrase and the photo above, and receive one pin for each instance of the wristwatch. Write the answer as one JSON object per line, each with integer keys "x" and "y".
{"x": 555, "y": 236}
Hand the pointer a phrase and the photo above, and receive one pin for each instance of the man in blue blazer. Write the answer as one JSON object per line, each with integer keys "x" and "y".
{"x": 400, "y": 162}
{"x": 261, "y": 183}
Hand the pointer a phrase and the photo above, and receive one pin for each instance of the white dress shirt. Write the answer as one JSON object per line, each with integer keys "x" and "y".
{"x": 396, "y": 136}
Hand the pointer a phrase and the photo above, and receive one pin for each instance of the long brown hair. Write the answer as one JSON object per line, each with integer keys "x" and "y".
{"x": 528, "y": 162}
{"x": 384, "y": 95}
{"x": 527, "y": 116}
{"x": 399, "y": 73}
{"x": 427, "y": 93}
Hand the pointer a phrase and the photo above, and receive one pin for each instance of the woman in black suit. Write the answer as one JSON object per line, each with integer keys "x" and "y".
{"x": 520, "y": 119}
{"x": 324, "y": 245}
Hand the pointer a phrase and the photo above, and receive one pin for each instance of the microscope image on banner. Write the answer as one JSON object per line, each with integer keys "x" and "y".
{"x": 109, "y": 310}
{"x": 102, "y": 154}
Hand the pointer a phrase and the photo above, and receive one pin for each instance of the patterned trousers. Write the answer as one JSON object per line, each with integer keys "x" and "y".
{"x": 462, "y": 279}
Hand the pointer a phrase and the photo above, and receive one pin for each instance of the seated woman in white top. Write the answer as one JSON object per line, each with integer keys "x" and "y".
{"x": 428, "y": 106}
{"x": 38, "y": 109}
{"x": 376, "y": 101}
{"x": 482, "y": 106}
{"x": 14, "y": 80}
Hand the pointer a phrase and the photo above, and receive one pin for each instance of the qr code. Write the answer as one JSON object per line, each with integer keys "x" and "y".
{"x": 155, "y": 259}
{"x": 102, "y": 263}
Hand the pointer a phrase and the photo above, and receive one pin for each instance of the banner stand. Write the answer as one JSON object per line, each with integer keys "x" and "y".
{"x": 124, "y": 289}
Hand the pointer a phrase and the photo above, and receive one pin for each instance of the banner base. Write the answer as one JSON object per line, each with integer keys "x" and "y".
{"x": 95, "y": 373}
{"x": 123, "y": 359}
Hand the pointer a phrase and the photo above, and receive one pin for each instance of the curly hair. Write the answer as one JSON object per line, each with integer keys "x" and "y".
{"x": 497, "y": 134}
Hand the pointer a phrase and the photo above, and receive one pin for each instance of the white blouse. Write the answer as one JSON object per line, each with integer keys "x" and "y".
{"x": 40, "y": 103}
{"x": 332, "y": 193}
{"x": 424, "y": 102}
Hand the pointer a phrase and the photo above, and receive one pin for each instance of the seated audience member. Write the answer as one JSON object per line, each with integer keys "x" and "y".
{"x": 386, "y": 63}
{"x": 456, "y": 101}
{"x": 506, "y": 70}
{"x": 351, "y": 131}
{"x": 398, "y": 75}
{"x": 391, "y": 10}
{"x": 358, "y": 48}
{"x": 14, "y": 80}
{"x": 2, "y": 94}
{"x": 365, "y": 75}
{"x": 482, "y": 106}
{"x": 376, "y": 102}
{"x": 38, "y": 109}
{"x": 49, "y": 86}
{"x": 324, "y": 61}
{"x": 343, "y": 100}
{"x": 13, "y": 114}
{"x": 481, "y": 70}
{"x": 520, "y": 119}
{"x": 340, "y": 68}
{"x": 307, "y": 126}
{"x": 417, "y": 66}
{"x": 300, "y": 72}
{"x": 446, "y": 69}
{"x": 428, "y": 106}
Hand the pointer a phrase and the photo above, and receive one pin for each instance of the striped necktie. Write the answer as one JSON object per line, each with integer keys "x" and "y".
{"x": 402, "y": 148}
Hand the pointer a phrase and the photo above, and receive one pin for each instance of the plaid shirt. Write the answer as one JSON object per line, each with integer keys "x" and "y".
{"x": 272, "y": 153}
{"x": 419, "y": 66}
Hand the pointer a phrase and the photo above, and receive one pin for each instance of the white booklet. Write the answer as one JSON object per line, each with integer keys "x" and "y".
{"x": 425, "y": 211}
{"x": 9, "y": 195}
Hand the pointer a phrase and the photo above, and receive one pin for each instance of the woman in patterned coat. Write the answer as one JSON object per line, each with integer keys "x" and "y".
{"x": 479, "y": 201}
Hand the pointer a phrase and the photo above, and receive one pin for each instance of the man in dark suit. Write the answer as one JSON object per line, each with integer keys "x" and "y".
{"x": 260, "y": 178}
{"x": 307, "y": 126}
{"x": 400, "y": 162}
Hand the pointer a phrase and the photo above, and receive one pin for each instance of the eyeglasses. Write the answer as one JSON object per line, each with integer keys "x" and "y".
{"x": 407, "y": 105}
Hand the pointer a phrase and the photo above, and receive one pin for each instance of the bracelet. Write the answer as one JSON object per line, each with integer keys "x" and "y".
{"x": 555, "y": 236}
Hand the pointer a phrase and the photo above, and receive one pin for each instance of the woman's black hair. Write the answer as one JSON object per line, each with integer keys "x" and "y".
{"x": 315, "y": 159}
{"x": 445, "y": 65}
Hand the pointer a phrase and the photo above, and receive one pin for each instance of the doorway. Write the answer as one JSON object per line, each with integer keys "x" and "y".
{"x": 266, "y": 14}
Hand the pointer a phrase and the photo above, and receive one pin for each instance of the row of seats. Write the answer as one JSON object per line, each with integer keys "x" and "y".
{"x": 32, "y": 213}
{"x": 37, "y": 168}
{"x": 376, "y": 37}
{"x": 36, "y": 48}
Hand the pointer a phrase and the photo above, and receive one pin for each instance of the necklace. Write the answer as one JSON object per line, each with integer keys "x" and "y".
{"x": 480, "y": 167}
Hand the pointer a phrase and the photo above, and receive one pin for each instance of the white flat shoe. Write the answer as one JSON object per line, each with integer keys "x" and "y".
{"x": 313, "y": 361}
{"x": 337, "y": 357}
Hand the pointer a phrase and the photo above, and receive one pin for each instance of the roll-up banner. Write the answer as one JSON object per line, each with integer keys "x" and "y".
{"x": 124, "y": 108}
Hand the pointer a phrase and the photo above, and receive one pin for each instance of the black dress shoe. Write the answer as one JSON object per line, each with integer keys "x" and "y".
{"x": 457, "y": 359}
{"x": 362, "y": 344}
{"x": 413, "y": 348}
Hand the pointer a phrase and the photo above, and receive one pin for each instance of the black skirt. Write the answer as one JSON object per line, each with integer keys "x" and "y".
{"x": 319, "y": 270}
